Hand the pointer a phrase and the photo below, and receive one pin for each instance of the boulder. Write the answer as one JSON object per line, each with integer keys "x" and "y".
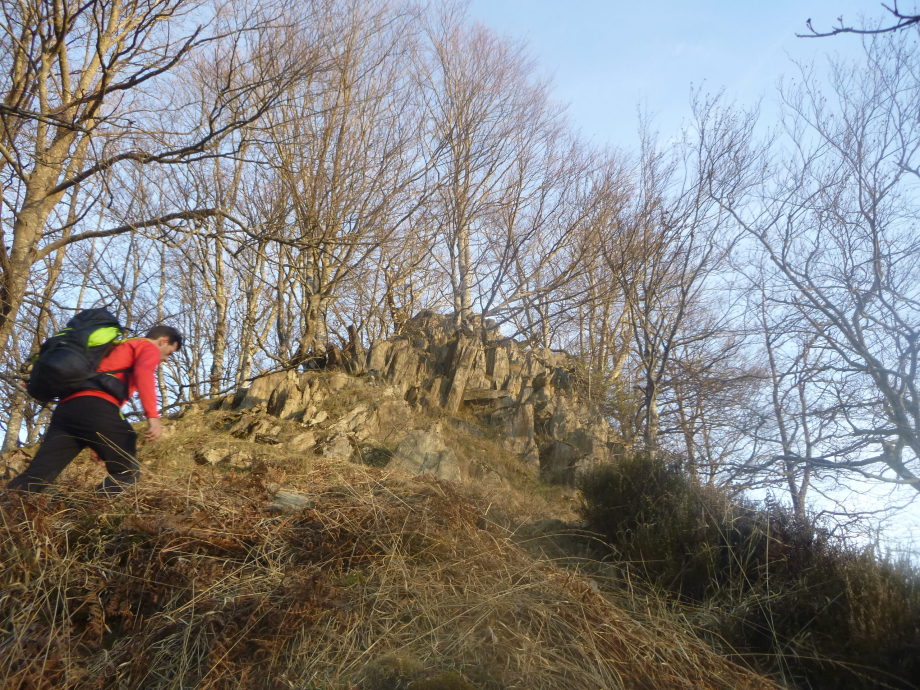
{"x": 352, "y": 420}
{"x": 485, "y": 475}
{"x": 302, "y": 442}
{"x": 338, "y": 447}
{"x": 402, "y": 371}
{"x": 289, "y": 501}
{"x": 210, "y": 456}
{"x": 393, "y": 420}
{"x": 283, "y": 394}
{"x": 424, "y": 452}
{"x": 558, "y": 464}
{"x": 249, "y": 426}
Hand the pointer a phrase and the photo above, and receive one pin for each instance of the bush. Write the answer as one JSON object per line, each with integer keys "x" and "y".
{"x": 809, "y": 609}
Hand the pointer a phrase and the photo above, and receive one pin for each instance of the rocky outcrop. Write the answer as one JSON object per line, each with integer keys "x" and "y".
{"x": 525, "y": 396}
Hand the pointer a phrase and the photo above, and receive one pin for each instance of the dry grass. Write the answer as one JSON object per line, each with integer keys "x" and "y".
{"x": 192, "y": 581}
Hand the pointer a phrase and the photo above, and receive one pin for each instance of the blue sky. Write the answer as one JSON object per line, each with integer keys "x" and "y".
{"x": 609, "y": 57}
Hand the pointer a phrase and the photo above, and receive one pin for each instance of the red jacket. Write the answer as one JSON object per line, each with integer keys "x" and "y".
{"x": 142, "y": 357}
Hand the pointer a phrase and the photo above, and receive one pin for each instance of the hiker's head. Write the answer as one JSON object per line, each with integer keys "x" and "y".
{"x": 166, "y": 338}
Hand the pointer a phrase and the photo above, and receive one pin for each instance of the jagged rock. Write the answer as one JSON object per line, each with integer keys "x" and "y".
{"x": 485, "y": 475}
{"x": 289, "y": 501}
{"x": 484, "y": 395}
{"x": 393, "y": 419}
{"x": 377, "y": 357}
{"x": 498, "y": 365}
{"x": 531, "y": 458}
{"x": 302, "y": 442}
{"x": 558, "y": 465}
{"x": 526, "y": 393}
{"x": 467, "y": 349}
{"x": 249, "y": 426}
{"x": 338, "y": 447}
{"x": 402, "y": 369}
{"x": 522, "y": 426}
{"x": 191, "y": 410}
{"x": 433, "y": 393}
{"x": 565, "y": 420}
{"x": 210, "y": 456}
{"x": 282, "y": 393}
{"x": 318, "y": 418}
{"x": 353, "y": 420}
{"x": 423, "y": 452}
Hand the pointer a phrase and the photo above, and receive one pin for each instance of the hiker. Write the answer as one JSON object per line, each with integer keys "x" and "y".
{"x": 92, "y": 417}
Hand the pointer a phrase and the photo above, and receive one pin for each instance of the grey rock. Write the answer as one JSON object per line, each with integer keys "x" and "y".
{"x": 424, "y": 452}
{"x": 249, "y": 426}
{"x": 484, "y": 395}
{"x": 352, "y": 420}
{"x": 210, "y": 456}
{"x": 318, "y": 418}
{"x": 466, "y": 351}
{"x": 302, "y": 442}
{"x": 289, "y": 501}
{"x": 558, "y": 465}
{"x": 338, "y": 447}
{"x": 393, "y": 420}
{"x": 283, "y": 394}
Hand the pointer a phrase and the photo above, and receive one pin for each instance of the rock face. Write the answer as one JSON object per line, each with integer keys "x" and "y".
{"x": 526, "y": 396}
{"x": 424, "y": 452}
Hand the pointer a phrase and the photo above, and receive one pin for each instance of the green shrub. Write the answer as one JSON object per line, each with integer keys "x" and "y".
{"x": 806, "y": 607}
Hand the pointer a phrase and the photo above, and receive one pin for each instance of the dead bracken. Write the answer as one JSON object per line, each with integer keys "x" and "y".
{"x": 195, "y": 582}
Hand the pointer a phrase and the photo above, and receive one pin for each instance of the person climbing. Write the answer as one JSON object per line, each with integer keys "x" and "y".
{"x": 92, "y": 417}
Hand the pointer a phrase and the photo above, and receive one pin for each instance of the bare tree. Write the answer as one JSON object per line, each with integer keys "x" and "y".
{"x": 81, "y": 85}
{"x": 901, "y": 21}
{"x": 676, "y": 244}
{"x": 344, "y": 159}
{"x": 834, "y": 215}
{"x": 484, "y": 109}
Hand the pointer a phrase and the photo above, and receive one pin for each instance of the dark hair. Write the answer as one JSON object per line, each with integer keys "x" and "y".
{"x": 168, "y": 332}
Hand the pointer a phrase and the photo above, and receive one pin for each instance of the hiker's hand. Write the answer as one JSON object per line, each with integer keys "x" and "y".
{"x": 154, "y": 430}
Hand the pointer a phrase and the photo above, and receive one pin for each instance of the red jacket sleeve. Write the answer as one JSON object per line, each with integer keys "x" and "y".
{"x": 144, "y": 377}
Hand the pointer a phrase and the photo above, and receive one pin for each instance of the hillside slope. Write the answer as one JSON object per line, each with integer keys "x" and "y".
{"x": 242, "y": 561}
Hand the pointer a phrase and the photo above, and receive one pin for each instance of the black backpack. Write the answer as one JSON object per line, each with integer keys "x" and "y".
{"x": 67, "y": 361}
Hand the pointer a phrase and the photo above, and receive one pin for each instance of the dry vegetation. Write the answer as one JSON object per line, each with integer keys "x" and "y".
{"x": 379, "y": 582}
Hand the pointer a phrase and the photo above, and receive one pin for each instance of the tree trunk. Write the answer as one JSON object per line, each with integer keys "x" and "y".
{"x": 14, "y": 425}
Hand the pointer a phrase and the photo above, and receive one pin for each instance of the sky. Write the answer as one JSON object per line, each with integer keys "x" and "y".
{"x": 609, "y": 58}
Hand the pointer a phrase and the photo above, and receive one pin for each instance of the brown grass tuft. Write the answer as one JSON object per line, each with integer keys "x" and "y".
{"x": 192, "y": 581}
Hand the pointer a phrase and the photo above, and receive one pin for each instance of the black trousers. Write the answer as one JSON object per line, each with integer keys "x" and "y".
{"x": 74, "y": 425}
